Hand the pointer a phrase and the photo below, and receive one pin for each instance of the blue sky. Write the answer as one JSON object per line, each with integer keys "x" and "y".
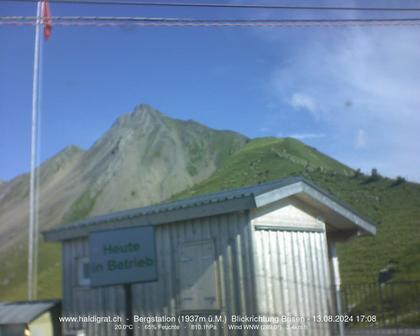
{"x": 350, "y": 92}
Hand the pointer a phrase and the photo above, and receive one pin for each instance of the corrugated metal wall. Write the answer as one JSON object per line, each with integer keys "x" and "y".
{"x": 292, "y": 267}
{"x": 293, "y": 279}
{"x": 87, "y": 301}
{"x": 270, "y": 262}
{"x": 232, "y": 237}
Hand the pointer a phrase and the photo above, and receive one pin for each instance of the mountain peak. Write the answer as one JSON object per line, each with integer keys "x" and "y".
{"x": 145, "y": 110}
{"x": 140, "y": 114}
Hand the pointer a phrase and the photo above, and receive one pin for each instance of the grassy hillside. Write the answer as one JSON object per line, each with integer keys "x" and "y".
{"x": 49, "y": 275}
{"x": 393, "y": 205}
{"x": 143, "y": 158}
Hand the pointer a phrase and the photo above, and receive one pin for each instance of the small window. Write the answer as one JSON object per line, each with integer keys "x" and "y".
{"x": 198, "y": 276}
{"x": 83, "y": 271}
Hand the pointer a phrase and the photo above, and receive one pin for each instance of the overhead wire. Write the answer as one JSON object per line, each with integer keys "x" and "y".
{"x": 180, "y": 22}
{"x": 185, "y": 22}
{"x": 224, "y": 5}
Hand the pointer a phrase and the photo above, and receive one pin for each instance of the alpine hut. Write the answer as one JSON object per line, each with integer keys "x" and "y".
{"x": 259, "y": 260}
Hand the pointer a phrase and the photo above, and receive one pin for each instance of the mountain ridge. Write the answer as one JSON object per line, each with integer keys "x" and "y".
{"x": 143, "y": 158}
{"x": 146, "y": 158}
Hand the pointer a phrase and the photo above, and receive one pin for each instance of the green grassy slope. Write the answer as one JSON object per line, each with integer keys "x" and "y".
{"x": 266, "y": 159}
{"x": 49, "y": 272}
{"x": 395, "y": 208}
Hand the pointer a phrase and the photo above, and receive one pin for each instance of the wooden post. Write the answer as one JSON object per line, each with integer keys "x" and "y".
{"x": 128, "y": 293}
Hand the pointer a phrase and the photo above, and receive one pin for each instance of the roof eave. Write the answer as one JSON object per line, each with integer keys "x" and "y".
{"x": 364, "y": 226}
{"x": 111, "y": 222}
{"x": 168, "y": 213}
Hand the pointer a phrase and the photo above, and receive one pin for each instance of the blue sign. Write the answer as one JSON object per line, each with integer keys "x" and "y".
{"x": 122, "y": 256}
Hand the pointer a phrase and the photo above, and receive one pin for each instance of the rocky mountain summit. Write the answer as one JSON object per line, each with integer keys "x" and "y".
{"x": 147, "y": 157}
{"x": 144, "y": 158}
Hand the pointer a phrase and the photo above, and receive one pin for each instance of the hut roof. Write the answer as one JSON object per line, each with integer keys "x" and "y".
{"x": 334, "y": 211}
{"x": 23, "y": 311}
